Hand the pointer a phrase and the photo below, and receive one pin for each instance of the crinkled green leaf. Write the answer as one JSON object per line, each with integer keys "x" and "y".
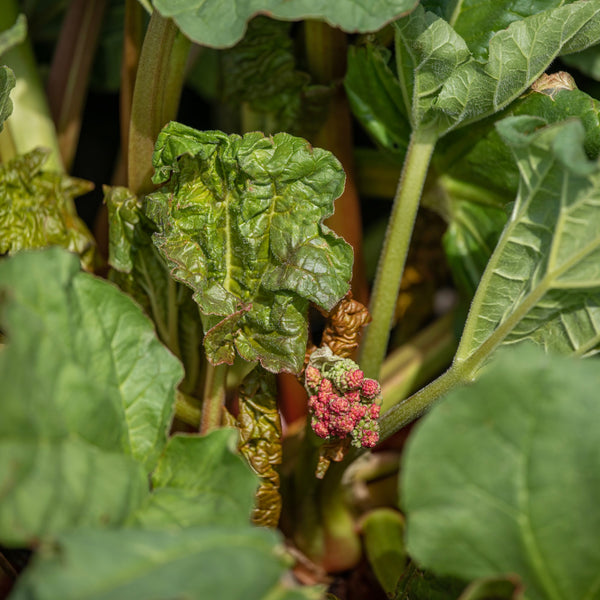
{"x": 375, "y": 96}
{"x": 216, "y": 563}
{"x": 261, "y": 71}
{"x": 86, "y": 389}
{"x": 221, "y": 23}
{"x": 239, "y": 220}
{"x": 140, "y": 271}
{"x": 503, "y": 477}
{"x": 199, "y": 481}
{"x": 37, "y": 209}
{"x": 543, "y": 283}
{"x": 13, "y": 35}
{"x": 445, "y": 86}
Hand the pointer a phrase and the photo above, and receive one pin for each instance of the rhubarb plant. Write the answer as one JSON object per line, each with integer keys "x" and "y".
{"x": 198, "y": 387}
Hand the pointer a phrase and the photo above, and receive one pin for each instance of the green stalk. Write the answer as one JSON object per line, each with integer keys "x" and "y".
{"x": 30, "y": 124}
{"x": 187, "y": 409}
{"x": 214, "y": 397}
{"x": 156, "y": 96}
{"x": 395, "y": 249}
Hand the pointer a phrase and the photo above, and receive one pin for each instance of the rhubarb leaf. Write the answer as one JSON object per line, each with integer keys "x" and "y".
{"x": 140, "y": 271}
{"x": 37, "y": 208}
{"x": 444, "y": 86}
{"x": 240, "y": 220}
{"x": 260, "y": 71}
{"x": 199, "y": 481}
{"x": 375, "y": 96}
{"x": 221, "y": 24}
{"x": 542, "y": 283}
{"x": 216, "y": 562}
{"x": 502, "y": 477}
{"x": 479, "y": 176}
{"x": 476, "y": 21}
{"x": 87, "y": 394}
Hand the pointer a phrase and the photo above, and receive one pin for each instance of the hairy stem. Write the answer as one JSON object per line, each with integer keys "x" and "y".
{"x": 30, "y": 124}
{"x": 70, "y": 71}
{"x": 395, "y": 249}
{"x": 156, "y": 96}
{"x": 214, "y": 397}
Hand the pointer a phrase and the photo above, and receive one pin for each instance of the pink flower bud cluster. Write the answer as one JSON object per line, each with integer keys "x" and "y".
{"x": 342, "y": 402}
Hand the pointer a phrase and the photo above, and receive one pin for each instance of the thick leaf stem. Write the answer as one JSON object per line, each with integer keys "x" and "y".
{"x": 156, "y": 95}
{"x": 30, "y": 124}
{"x": 214, "y": 397}
{"x": 395, "y": 249}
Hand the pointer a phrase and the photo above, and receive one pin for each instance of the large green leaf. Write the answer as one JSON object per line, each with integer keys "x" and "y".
{"x": 542, "y": 282}
{"x": 37, "y": 208}
{"x": 503, "y": 476}
{"x": 222, "y": 23}
{"x": 141, "y": 272}
{"x": 86, "y": 389}
{"x": 444, "y": 86}
{"x": 199, "y": 481}
{"x": 216, "y": 563}
{"x": 239, "y": 220}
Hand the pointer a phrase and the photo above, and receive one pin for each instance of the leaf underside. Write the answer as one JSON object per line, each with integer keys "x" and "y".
{"x": 542, "y": 283}
{"x": 197, "y": 18}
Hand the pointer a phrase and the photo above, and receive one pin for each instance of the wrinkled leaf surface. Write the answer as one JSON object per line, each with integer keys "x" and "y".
{"x": 37, "y": 209}
{"x": 239, "y": 220}
{"x": 261, "y": 72}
